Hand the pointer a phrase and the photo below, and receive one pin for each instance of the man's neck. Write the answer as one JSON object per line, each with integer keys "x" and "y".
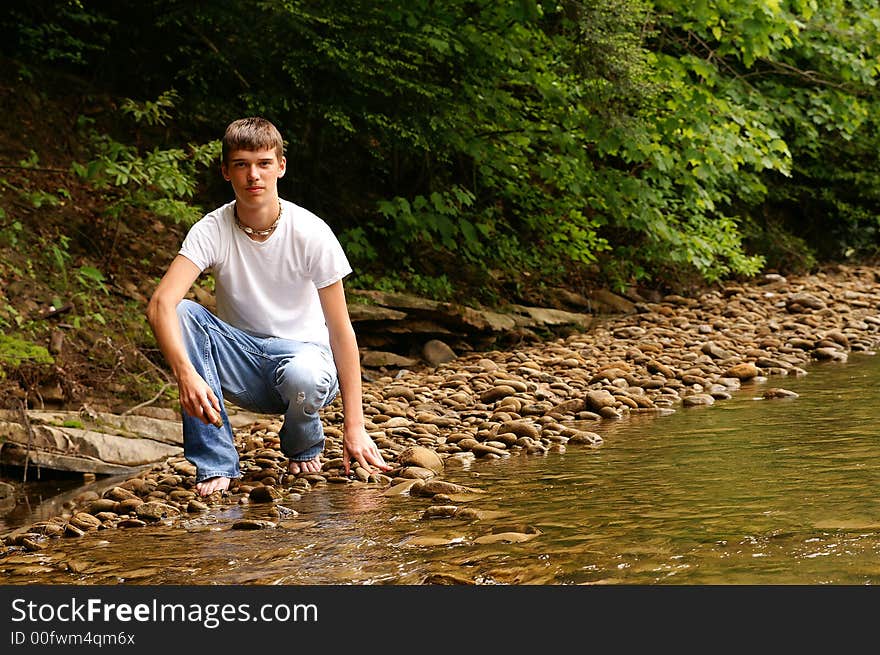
{"x": 258, "y": 216}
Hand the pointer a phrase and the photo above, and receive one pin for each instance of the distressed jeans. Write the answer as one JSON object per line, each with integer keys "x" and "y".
{"x": 267, "y": 375}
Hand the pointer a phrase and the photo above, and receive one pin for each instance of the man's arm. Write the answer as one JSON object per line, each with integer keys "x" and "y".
{"x": 356, "y": 443}
{"x": 196, "y": 397}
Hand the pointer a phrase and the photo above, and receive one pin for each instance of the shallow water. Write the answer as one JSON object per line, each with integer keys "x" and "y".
{"x": 747, "y": 491}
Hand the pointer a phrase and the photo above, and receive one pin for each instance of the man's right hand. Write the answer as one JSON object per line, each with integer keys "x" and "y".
{"x": 198, "y": 399}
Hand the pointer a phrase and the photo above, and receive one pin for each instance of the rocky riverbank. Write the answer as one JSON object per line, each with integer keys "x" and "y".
{"x": 667, "y": 356}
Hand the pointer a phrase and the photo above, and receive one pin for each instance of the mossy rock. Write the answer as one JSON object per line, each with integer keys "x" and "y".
{"x": 14, "y": 352}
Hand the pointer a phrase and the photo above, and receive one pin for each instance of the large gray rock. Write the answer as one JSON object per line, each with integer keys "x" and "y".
{"x": 610, "y": 303}
{"x": 360, "y": 312}
{"x": 67, "y": 446}
{"x": 543, "y": 316}
{"x": 437, "y": 352}
{"x": 378, "y": 358}
{"x": 166, "y": 430}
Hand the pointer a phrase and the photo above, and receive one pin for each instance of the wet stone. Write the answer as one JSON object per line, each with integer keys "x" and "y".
{"x": 131, "y": 523}
{"x": 253, "y": 524}
{"x": 433, "y": 487}
{"x": 507, "y": 439}
{"x": 830, "y": 354}
{"x": 155, "y": 511}
{"x": 128, "y": 506}
{"x": 609, "y": 412}
{"x": 138, "y": 485}
{"x": 35, "y": 543}
{"x": 697, "y": 400}
{"x": 53, "y": 530}
{"x": 421, "y": 457}
{"x": 85, "y": 521}
{"x": 744, "y": 371}
{"x": 194, "y": 506}
{"x": 468, "y": 443}
{"x": 483, "y": 450}
{"x": 778, "y": 393}
{"x": 447, "y": 579}
{"x": 119, "y": 493}
{"x": 73, "y": 531}
{"x": 439, "y": 511}
{"x": 416, "y": 472}
{"x": 401, "y": 488}
{"x": 102, "y": 505}
{"x": 584, "y": 437}
{"x": 18, "y": 539}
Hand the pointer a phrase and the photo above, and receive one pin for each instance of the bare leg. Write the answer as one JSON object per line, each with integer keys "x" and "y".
{"x": 209, "y": 486}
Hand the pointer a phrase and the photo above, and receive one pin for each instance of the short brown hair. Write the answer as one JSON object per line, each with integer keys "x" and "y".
{"x": 252, "y": 134}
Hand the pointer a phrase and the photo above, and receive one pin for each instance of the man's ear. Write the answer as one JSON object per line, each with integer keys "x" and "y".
{"x": 282, "y": 166}
{"x": 224, "y": 171}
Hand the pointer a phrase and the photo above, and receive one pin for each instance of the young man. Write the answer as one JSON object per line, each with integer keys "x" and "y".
{"x": 282, "y": 341}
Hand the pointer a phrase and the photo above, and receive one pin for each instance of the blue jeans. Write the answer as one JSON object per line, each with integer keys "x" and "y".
{"x": 267, "y": 375}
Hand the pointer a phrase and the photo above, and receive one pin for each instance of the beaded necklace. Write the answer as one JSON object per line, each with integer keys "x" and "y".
{"x": 249, "y": 230}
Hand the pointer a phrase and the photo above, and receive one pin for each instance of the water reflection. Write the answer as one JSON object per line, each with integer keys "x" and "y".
{"x": 747, "y": 491}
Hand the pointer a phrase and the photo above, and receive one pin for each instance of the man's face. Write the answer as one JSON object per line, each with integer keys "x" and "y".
{"x": 254, "y": 174}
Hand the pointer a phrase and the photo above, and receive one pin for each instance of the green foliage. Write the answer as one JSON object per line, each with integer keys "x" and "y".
{"x": 91, "y": 279}
{"x": 807, "y": 71}
{"x": 434, "y": 287}
{"x": 58, "y": 254}
{"x": 438, "y": 220}
{"x": 487, "y": 140}
{"x": 160, "y": 180}
{"x": 10, "y": 230}
{"x": 156, "y": 112}
{"x": 56, "y": 31}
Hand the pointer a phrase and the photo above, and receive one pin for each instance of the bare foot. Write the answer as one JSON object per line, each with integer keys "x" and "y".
{"x": 309, "y": 466}
{"x": 209, "y": 486}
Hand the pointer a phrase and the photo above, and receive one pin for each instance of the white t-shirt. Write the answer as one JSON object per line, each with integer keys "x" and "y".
{"x": 269, "y": 288}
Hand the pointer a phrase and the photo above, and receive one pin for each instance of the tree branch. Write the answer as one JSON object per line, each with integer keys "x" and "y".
{"x": 148, "y": 402}
{"x": 37, "y": 169}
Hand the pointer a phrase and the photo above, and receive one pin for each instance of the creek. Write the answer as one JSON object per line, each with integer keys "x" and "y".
{"x": 747, "y": 491}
